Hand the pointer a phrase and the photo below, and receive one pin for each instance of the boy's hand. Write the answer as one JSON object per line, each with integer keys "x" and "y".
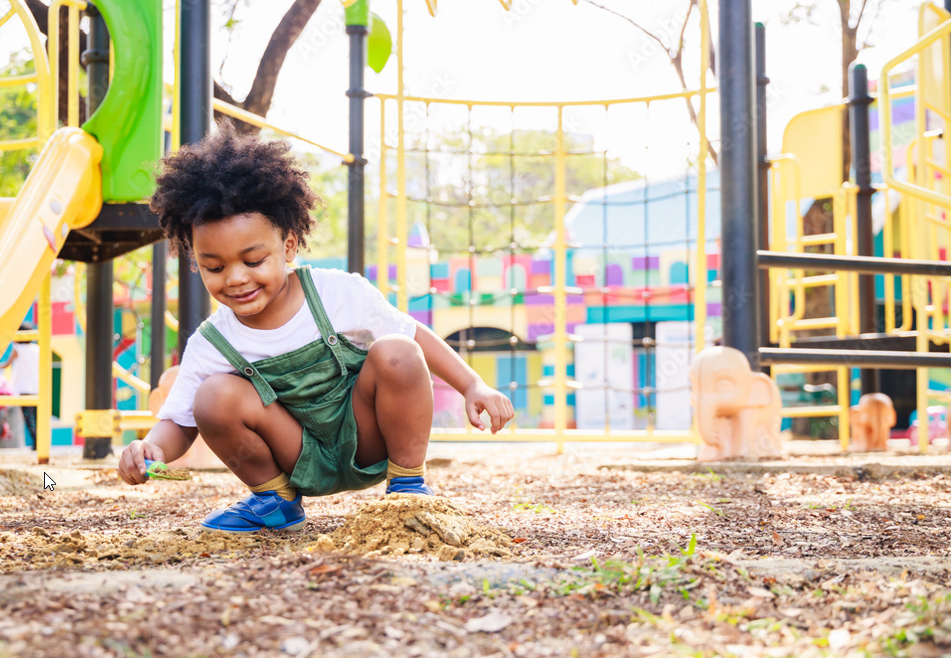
{"x": 479, "y": 398}
{"x": 132, "y": 461}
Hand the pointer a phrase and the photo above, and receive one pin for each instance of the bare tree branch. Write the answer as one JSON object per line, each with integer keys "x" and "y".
{"x": 282, "y": 39}
{"x": 675, "y": 55}
{"x": 632, "y": 22}
{"x": 222, "y": 94}
{"x": 683, "y": 28}
{"x": 858, "y": 21}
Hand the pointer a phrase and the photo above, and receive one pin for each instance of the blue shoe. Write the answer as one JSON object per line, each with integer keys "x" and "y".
{"x": 409, "y": 485}
{"x": 257, "y": 512}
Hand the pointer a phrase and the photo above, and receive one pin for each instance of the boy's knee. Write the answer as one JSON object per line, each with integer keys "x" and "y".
{"x": 397, "y": 357}
{"x": 218, "y": 400}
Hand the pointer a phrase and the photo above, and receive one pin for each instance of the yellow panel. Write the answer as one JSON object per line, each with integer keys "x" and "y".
{"x": 815, "y": 138}
{"x": 5, "y": 204}
{"x": 485, "y": 367}
{"x": 533, "y": 367}
{"x": 72, "y": 369}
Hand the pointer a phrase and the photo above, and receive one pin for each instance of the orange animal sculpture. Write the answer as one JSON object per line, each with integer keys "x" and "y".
{"x": 737, "y": 411}
{"x": 870, "y": 421}
{"x": 199, "y": 455}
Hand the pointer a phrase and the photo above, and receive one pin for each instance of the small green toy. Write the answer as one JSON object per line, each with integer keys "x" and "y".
{"x": 160, "y": 471}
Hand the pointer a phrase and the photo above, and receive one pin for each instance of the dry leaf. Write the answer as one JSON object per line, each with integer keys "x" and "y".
{"x": 777, "y": 539}
{"x": 323, "y": 569}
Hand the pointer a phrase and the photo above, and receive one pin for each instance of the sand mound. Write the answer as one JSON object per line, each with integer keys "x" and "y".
{"x": 408, "y": 524}
{"x": 16, "y": 483}
{"x": 42, "y": 549}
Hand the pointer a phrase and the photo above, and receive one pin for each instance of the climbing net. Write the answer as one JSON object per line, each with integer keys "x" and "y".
{"x": 569, "y": 280}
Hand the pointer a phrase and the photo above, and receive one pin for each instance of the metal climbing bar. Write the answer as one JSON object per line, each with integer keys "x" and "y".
{"x": 861, "y": 264}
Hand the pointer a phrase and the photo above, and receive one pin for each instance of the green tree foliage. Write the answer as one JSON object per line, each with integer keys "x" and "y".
{"x": 17, "y": 121}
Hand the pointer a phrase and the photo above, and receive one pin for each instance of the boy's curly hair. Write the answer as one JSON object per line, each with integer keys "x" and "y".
{"x": 231, "y": 174}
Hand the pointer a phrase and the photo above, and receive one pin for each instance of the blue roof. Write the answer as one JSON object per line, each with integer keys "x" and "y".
{"x": 644, "y": 217}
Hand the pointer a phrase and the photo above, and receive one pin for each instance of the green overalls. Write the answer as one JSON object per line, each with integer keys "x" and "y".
{"x": 315, "y": 384}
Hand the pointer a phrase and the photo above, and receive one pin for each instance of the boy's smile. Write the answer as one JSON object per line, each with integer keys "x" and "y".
{"x": 243, "y": 264}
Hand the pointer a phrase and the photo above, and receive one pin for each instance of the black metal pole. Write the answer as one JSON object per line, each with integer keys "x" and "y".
{"x": 866, "y": 264}
{"x": 194, "y": 304}
{"x": 355, "y": 183}
{"x": 99, "y": 275}
{"x": 762, "y": 179}
{"x": 157, "y": 352}
{"x": 738, "y": 208}
{"x": 859, "y": 102}
{"x": 857, "y": 358}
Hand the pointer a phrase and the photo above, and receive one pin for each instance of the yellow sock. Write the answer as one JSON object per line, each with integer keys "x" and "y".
{"x": 281, "y": 485}
{"x": 397, "y": 471}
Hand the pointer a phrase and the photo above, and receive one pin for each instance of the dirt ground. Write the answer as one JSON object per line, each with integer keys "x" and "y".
{"x": 527, "y": 553}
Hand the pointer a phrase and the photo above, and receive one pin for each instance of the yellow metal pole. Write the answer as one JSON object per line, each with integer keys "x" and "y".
{"x": 561, "y": 297}
{"x": 843, "y": 384}
{"x": 402, "y": 301}
{"x": 700, "y": 285}
{"x": 44, "y": 408}
{"x": 46, "y": 115}
{"x": 888, "y": 247}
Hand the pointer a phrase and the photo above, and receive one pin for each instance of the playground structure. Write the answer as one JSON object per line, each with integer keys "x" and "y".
{"x": 564, "y": 312}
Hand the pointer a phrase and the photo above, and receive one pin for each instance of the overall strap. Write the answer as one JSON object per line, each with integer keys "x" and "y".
{"x": 239, "y": 363}
{"x": 320, "y": 315}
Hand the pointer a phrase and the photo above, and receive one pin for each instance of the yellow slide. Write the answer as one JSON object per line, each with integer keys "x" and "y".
{"x": 62, "y": 192}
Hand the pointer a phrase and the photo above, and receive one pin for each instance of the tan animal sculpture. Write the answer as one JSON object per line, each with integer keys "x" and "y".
{"x": 870, "y": 421}
{"x": 737, "y": 411}
{"x": 199, "y": 455}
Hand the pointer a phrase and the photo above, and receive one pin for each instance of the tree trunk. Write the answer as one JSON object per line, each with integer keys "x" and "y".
{"x": 282, "y": 39}
{"x": 849, "y": 54}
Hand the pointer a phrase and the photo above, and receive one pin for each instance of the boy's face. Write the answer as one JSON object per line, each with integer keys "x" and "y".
{"x": 243, "y": 264}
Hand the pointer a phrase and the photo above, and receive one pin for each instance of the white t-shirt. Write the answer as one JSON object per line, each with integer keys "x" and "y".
{"x": 355, "y": 308}
{"x": 25, "y": 379}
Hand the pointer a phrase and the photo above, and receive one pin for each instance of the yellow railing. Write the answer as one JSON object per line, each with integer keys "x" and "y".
{"x": 559, "y": 384}
{"x": 260, "y": 122}
{"x": 44, "y": 76}
{"x": 927, "y": 193}
{"x": 788, "y": 297}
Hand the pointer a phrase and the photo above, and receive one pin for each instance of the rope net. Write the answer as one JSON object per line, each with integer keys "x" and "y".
{"x": 521, "y": 234}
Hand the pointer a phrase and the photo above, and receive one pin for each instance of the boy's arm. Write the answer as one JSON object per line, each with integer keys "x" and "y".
{"x": 165, "y": 442}
{"x": 448, "y": 366}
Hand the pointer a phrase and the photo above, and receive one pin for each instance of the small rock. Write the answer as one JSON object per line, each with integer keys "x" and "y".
{"x": 491, "y": 623}
{"x": 296, "y": 646}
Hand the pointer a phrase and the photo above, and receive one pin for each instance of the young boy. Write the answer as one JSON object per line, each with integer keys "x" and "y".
{"x": 303, "y": 382}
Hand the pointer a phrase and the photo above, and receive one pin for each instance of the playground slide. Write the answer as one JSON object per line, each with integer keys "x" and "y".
{"x": 62, "y": 192}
